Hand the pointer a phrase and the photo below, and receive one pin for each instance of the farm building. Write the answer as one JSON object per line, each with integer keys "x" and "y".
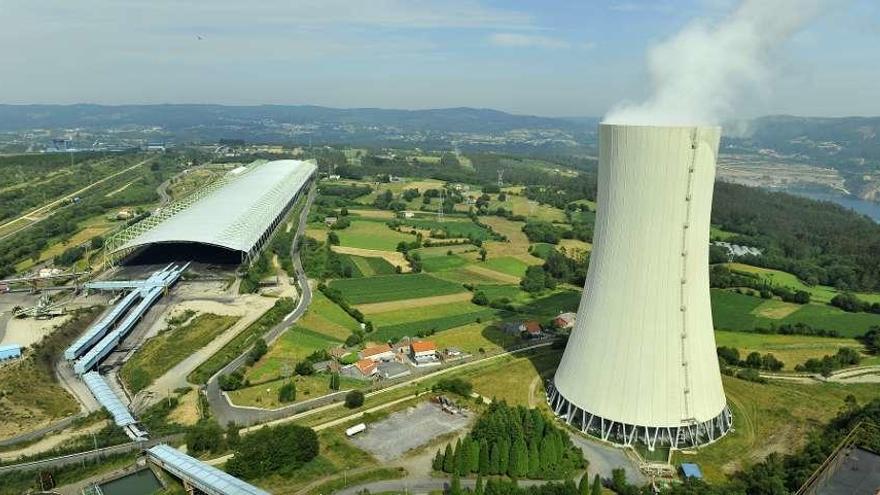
{"x": 362, "y": 369}
{"x": 382, "y": 352}
{"x": 533, "y": 328}
{"x": 424, "y": 352}
{"x": 564, "y": 320}
{"x": 392, "y": 370}
{"x": 235, "y": 215}
{"x": 10, "y": 351}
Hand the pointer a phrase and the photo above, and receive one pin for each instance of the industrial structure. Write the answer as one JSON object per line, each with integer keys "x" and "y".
{"x": 640, "y": 365}
{"x": 197, "y": 475}
{"x": 238, "y": 212}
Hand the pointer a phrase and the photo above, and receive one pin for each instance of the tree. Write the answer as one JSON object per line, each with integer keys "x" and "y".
{"x": 333, "y": 238}
{"x": 437, "y": 463}
{"x": 584, "y": 485}
{"x": 287, "y": 392}
{"x": 597, "y": 485}
{"x": 484, "y": 462}
{"x": 232, "y": 434}
{"x": 455, "y": 485}
{"x": 354, "y": 399}
{"x": 304, "y": 368}
{"x": 204, "y": 436}
{"x": 534, "y": 280}
{"x": 753, "y": 360}
{"x": 448, "y": 459}
{"x": 334, "y": 381}
{"x": 495, "y": 459}
{"x": 478, "y": 486}
{"x": 480, "y": 298}
{"x": 269, "y": 449}
{"x": 483, "y": 254}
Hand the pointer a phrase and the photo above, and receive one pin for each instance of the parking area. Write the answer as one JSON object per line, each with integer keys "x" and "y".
{"x": 405, "y": 430}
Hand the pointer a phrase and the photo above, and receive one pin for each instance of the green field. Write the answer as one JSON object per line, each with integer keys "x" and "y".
{"x": 542, "y": 249}
{"x": 506, "y": 264}
{"x": 370, "y": 266}
{"x": 473, "y": 337}
{"x": 511, "y": 292}
{"x": 790, "y": 349}
{"x": 818, "y": 293}
{"x": 437, "y": 324}
{"x": 437, "y": 251}
{"x": 171, "y": 346}
{"x": 293, "y": 346}
{"x": 550, "y": 305}
{"x": 369, "y": 234}
{"x": 452, "y": 229}
{"x": 393, "y": 288}
{"x": 462, "y": 275}
{"x": 265, "y": 394}
{"x": 406, "y": 315}
{"x": 732, "y": 311}
{"x": 440, "y": 263}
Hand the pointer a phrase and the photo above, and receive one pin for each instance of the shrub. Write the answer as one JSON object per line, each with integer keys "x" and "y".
{"x": 354, "y": 399}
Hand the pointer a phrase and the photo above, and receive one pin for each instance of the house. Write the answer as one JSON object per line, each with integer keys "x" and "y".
{"x": 366, "y": 367}
{"x": 424, "y": 352}
{"x": 564, "y": 320}
{"x": 330, "y": 220}
{"x": 533, "y": 328}
{"x": 392, "y": 370}
{"x": 423, "y": 348}
{"x": 408, "y": 214}
{"x": 382, "y": 352}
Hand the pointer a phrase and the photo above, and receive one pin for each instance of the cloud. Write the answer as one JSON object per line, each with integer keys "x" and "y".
{"x": 518, "y": 40}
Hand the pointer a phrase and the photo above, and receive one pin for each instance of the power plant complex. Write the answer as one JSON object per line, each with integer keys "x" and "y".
{"x": 640, "y": 365}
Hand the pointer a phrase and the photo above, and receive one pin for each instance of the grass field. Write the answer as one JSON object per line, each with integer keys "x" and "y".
{"x": 453, "y": 228}
{"x": 407, "y": 315}
{"x": 307, "y": 387}
{"x": 293, "y": 346}
{"x": 512, "y": 292}
{"x": 790, "y": 349}
{"x": 326, "y": 318}
{"x": 818, "y": 293}
{"x": 441, "y": 263}
{"x": 438, "y": 251}
{"x": 368, "y": 266}
{"x": 506, "y": 264}
{"x": 520, "y": 205}
{"x": 162, "y": 352}
{"x": 437, "y": 324}
{"x": 717, "y": 234}
{"x": 466, "y": 275}
{"x": 393, "y": 288}
{"x": 513, "y": 382}
{"x": 771, "y": 417}
{"x": 473, "y": 337}
{"x": 732, "y": 311}
{"x": 550, "y": 305}
{"x": 368, "y": 234}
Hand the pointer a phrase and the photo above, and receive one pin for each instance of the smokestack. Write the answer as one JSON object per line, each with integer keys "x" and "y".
{"x": 640, "y": 365}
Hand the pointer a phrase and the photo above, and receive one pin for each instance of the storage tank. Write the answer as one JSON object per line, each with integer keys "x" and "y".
{"x": 640, "y": 364}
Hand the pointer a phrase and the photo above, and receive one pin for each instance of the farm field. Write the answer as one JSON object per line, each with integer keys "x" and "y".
{"x": 370, "y": 266}
{"x": 406, "y": 315}
{"x": 328, "y": 319}
{"x": 393, "y": 288}
{"x": 790, "y": 349}
{"x": 441, "y": 263}
{"x": 437, "y": 324}
{"x": 369, "y": 234}
{"x": 450, "y": 228}
{"x": 521, "y": 205}
{"x": 513, "y": 382}
{"x": 818, "y": 293}
{"x": 410, "y": 304}
{"x": 293, "y": 346}
{"x": 162, "y": 352}
{"x": 507, "y": 264}
{"x": 393, "y": 258}
{"x": 472, "y": 337}
{"x": 732, "y": 311}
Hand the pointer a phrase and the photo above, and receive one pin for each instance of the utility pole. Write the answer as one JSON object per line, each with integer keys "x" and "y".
{"x": 442, "y": 201}
{"x": 500, "y": 178}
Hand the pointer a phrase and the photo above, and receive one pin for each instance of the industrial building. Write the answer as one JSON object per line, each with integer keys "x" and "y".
{"x": 640, "y": 365}
{"x": 197, "y": 476}
{"x": 237, "y": 213}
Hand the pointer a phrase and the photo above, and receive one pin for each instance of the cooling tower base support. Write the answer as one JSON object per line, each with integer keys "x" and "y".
{"x": 687, "y": 435}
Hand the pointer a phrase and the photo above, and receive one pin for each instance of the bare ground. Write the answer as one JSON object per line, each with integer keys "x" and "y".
{"x": 392, "y": 257}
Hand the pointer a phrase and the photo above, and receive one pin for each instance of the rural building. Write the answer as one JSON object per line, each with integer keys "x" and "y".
{"x": 564, "y": 320}
{"x": 402, "y": 346}
{"x": 515, "y": 327}
{"x": 533, "y": 328}
{"x": 235, "y": 215}
{"x": 10, "y": 351}
{"x": 330, "y": 220}
{"x": 382, "y": 352}
{"x": 453, "y": 353}
{"x": 362, "y": 369}
{"x": 408, "y": 214}
{"x": 424, "y": 352}
{"x": 392, "y": 370}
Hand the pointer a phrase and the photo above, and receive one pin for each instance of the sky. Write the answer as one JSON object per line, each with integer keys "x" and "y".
{"x": 549, "y": 57}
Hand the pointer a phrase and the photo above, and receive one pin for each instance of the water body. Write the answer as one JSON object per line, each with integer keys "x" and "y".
{"x": 868, "y": 208}
{"x": 142, "y": 482}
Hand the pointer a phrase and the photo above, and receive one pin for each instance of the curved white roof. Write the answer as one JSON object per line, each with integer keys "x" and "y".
{"x": 235, "y": 215}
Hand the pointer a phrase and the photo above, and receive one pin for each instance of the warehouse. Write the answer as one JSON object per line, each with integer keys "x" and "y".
{"x": 236, "y": 214}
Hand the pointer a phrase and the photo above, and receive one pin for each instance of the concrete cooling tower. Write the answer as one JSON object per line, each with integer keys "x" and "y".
{"x": 640, "y": 365}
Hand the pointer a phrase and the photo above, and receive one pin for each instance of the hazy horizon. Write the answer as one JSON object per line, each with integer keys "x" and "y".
{"x": 555, "y": 59}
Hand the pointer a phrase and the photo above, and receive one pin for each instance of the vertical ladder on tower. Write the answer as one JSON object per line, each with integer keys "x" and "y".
{"x": 683, "y": 286}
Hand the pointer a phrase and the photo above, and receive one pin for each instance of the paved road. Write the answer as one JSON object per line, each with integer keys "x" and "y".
{"x": 220, "y": 406}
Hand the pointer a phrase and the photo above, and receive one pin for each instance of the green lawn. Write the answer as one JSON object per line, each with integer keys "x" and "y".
{"x": 550, "y": 305}
{"x": 440, "y": 263}
{"x": 512, "y": 292}
{"x": 472, "y": 337}
{"x": 307, "y": 387}
{"x": 293, "y": 346}
{"x": 451, "y": 229}
{"x": 542, "y": 249}
{"x": 171, "y": 346}
{"x": 369, "y": 234}
{"x": 506, "y": 264}
{"x": 393, "y": 288}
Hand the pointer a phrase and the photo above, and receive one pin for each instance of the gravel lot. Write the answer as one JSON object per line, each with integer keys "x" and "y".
{"x": 390, "y": 438}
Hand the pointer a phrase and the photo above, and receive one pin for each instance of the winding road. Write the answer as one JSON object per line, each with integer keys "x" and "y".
{"x": 220, "y": 406}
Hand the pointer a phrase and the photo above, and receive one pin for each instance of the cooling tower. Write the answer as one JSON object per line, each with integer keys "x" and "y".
{"x": 640, "y": 365}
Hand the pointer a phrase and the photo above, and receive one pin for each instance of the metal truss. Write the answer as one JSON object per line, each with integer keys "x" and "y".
{"x": 690, "y": 434}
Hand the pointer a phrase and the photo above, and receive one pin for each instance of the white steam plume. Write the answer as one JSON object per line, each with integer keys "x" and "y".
{"x": 700, "y": 73}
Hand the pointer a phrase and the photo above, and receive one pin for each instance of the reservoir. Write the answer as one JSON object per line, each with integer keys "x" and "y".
{"x": 868, "y": 208}
{"x": 142, "y": 482}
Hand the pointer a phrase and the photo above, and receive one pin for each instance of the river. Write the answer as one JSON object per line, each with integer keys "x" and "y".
{"x": 868, "y": 208}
